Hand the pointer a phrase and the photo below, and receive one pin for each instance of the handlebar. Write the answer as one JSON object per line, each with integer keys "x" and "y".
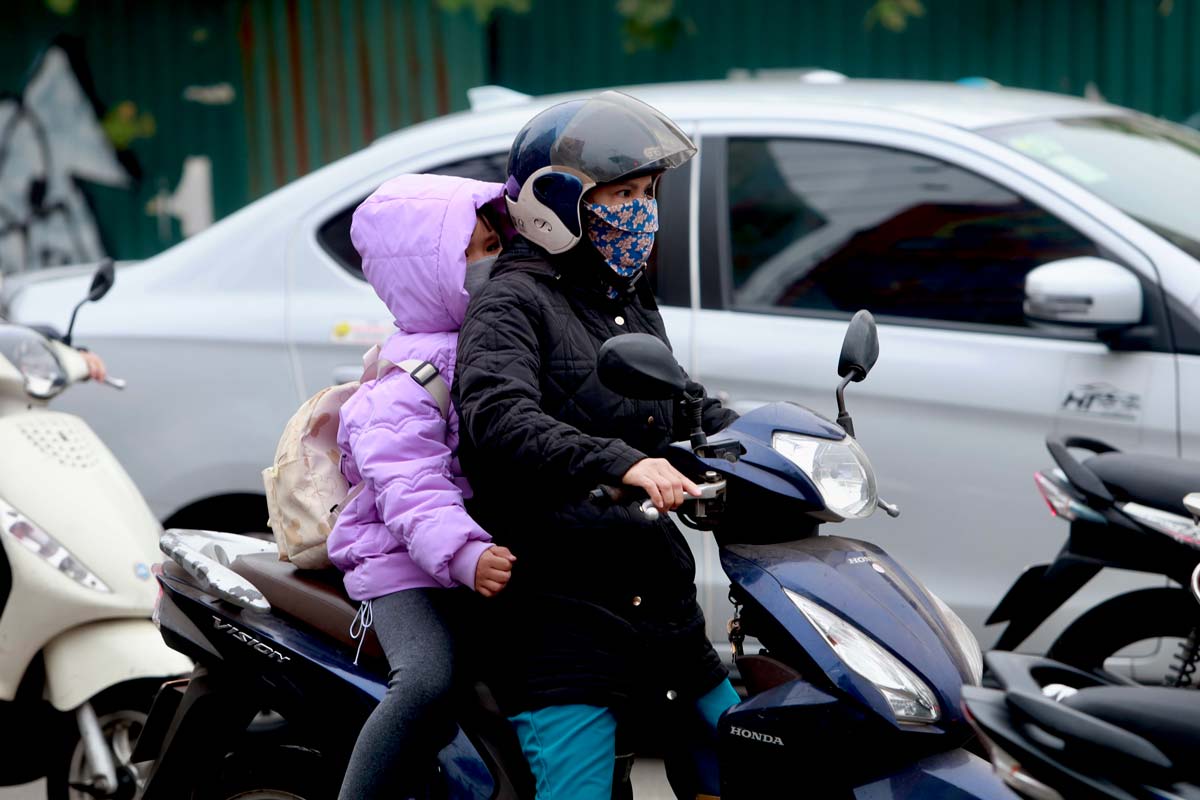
{"x": 617, "y": 495}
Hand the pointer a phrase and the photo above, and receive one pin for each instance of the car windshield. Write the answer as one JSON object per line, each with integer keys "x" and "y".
{"x": 1148, "y": 168}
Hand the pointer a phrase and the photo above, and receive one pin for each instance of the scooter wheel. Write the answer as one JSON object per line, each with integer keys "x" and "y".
{"x": 121, "y": 712}
{"x": 286, "y": 772}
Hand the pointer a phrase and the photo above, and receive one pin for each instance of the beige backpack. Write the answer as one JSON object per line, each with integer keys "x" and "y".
{"x": 305, "y": 487}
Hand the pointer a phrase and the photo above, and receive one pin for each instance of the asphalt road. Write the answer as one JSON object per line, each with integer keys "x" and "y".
{"x": 649, "y": 783}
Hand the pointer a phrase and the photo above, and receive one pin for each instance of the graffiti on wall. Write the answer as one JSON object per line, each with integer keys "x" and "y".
{"x": 50, "y": 139}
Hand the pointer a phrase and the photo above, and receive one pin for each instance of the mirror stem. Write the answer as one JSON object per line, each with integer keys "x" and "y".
{"x": 843, "y": 418}
{"x": 71, "y": 326}
{"x": 694, "y": 408}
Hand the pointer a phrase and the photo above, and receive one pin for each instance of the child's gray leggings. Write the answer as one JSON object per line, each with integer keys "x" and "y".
{"x": 395, "y": 752}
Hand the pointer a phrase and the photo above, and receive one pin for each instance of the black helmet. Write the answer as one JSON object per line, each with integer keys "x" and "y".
{"x": 571, "y": 147}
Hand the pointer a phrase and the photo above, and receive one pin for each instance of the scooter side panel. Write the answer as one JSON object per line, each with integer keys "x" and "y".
{"x": 804, "y": 741}
{"x": 864, "y": 585}
{"x": 1036, "y": 595}
{"x": 299, "y": 674}
{"x": 59, "y": 475}
{"x": 956, "y": 775}
{"x": 86, "y": 660}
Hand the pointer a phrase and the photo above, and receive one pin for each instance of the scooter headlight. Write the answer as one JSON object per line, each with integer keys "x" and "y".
{"x": 33, "y": 358}
{"x": 910, "y": 699}
{"x": 840, "y": 470}
{"x": 42, "y": 544}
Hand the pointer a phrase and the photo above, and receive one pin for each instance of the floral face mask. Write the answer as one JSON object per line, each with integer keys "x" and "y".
{"x": 624, "y": 234}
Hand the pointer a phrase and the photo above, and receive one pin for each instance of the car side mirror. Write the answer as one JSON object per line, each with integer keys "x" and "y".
{"x": 102, "y": 281}
{"x": 1083, "y": 292}
{"x": 640, "y": 366}
{"x": 860, "y": 347}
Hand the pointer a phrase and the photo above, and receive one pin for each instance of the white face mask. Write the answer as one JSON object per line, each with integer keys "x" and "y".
{"x": 478, "y": 272}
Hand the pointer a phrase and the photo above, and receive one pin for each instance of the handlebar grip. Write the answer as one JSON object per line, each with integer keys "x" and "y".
{"x": 617, "y": 495}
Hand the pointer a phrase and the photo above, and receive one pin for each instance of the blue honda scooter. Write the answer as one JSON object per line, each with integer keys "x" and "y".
{"x": 855, "y": 692}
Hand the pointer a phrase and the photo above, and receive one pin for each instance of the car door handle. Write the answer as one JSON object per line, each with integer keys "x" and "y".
{"x": 347, "y": 373}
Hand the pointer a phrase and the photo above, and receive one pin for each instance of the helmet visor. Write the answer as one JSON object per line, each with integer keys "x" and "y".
{"x": 613, "y": 136}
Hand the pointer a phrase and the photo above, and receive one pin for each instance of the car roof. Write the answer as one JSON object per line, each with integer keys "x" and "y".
{"x": 963, "y": 106}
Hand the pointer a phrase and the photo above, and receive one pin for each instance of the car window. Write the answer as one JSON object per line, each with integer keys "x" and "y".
{"x": 835, "y": 226}
{"x": 334, "y": 233}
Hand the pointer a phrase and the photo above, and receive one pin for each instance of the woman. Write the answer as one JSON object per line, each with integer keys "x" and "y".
{"x": 603, "y": 615}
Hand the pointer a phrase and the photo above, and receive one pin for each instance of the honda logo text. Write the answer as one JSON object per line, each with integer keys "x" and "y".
{"x": 755, "y": 735}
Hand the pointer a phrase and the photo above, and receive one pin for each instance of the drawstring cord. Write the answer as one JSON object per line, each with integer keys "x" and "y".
{"x": 362, "y": 623}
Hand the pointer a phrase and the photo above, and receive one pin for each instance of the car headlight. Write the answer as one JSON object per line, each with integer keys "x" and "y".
{"x": 42, "y": 544}
{"x": 910, "y": 699}
{"x": 33, "y": 358}
{"x": 840, "y": 469}
{"x": 968, "y": 645}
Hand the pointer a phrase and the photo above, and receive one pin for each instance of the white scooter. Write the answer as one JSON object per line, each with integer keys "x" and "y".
{"x": 80, "y": 658}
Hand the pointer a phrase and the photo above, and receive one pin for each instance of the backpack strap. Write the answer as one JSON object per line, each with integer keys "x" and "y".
{"x": 428, "y": 377}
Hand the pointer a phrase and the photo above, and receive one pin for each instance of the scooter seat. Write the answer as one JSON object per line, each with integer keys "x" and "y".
{"x": 1157, "y": 481}
{"x": 1167, "y": 718}
{"x": 313, "y": 596}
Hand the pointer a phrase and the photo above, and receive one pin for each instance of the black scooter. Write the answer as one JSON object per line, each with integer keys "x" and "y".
{"x": 1126, "y": 511}
{"x": 1058, "y": 733}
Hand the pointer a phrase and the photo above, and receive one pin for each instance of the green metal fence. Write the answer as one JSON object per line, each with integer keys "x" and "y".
{"x": 268, "y": 90}
{"x": 1133, "y": 51}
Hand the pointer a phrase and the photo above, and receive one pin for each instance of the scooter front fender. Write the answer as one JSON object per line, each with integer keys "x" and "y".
{"x": 953, "y": 775}
{"x": 84, "y": 661}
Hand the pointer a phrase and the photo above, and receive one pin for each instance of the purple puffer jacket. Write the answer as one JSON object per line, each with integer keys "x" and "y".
{"x": 408, "y": 527}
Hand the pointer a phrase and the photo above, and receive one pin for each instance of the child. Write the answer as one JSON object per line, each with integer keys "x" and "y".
{"x": 405, "y": 540}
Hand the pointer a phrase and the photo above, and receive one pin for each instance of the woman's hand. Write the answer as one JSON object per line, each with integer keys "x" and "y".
{"x": 96, "y": 369}
{"x": 666, "y": 486}
{"x": 493, "y": 570}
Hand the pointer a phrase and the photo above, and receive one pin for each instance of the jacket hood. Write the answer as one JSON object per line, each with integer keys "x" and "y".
{"x": 412, "y": 234}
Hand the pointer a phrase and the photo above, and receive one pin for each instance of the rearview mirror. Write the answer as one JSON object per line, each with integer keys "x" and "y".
{"x": 860, "y": 348}
{"x": 640, "y": 366}
{"x": 1083, "y": 292}
{"x": 102, "y": 281}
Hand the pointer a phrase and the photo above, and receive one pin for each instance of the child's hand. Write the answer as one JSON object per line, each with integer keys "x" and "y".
{"x": 493, "y": 570}
{"x": 96, "y": 369}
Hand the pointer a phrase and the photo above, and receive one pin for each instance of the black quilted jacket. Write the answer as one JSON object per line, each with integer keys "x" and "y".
{"x": 602, "y": 606}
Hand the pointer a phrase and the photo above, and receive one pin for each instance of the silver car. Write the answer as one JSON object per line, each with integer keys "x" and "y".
{"x": 927, "y": 203}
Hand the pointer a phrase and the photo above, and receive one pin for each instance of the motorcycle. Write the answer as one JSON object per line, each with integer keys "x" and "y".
{"x": 856, "y": 693}
{"x": 1056, "y": 732}
{"x": 1126, "y": 511}
{"x": 80, "y": 660}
